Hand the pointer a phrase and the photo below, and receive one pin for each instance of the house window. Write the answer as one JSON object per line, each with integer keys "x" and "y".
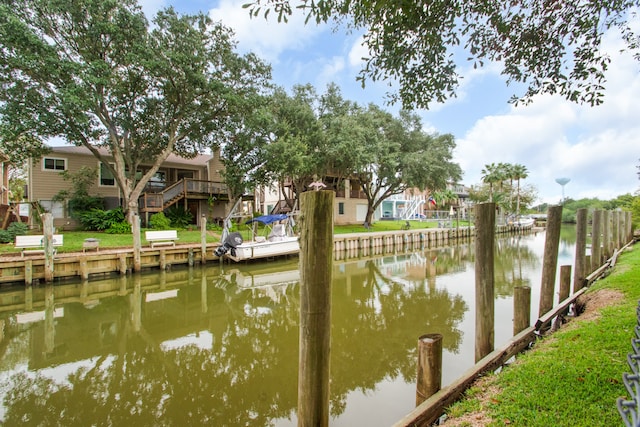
{"x": 340, "y": 208}
{"x": 54, "y": 164}
{"x": 106, "y": 176}
{"x": 158, "y": 180}
{"x": 55, "y": 208}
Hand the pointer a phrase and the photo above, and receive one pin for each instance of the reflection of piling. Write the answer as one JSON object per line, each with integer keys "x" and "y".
{"x": 429, "y": 378}
{"x": 316, "y": 240}
{"x": 550, "y": 258}
{"x": 521, "y": 309}
{"x": 485, "y": 238}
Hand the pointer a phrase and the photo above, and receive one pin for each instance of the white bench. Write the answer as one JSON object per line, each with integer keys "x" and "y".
{"x": 162, "y": 237}
{"x": 35, "y": 242}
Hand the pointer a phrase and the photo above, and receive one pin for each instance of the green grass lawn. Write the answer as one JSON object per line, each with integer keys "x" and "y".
{"x": 572, "y": 377}
{"x": 73, "y": 239}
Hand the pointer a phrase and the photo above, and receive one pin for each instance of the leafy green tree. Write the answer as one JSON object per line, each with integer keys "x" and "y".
{"x": 398, "y": 155}
{"x": 296, "y": 153}
{"x": 552, "y": 47}
{"x": 78, "y": 198}
{"x": 96, "y": 74}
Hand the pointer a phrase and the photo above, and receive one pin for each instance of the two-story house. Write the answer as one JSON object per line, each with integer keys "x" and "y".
{"x": 195, "y": 184}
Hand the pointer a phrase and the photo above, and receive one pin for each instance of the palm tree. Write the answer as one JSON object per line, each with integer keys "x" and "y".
{"x": 490, "y": 175}
{"x": 519, "y": 172}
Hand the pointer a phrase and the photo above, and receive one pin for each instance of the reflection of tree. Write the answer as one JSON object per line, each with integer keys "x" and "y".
{"x": 511, "y": 256}
{"x": 376, "y": 330}
{"x": 247, "y": 377}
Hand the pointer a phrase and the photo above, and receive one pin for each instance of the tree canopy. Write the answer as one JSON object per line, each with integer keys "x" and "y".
{"x": 550, "y": 46}
{"x": 96, "y": 74}
{"x": 324, "y": 137}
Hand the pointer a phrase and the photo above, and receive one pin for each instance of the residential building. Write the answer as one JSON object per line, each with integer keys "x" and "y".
{"x": 195, "y": 184}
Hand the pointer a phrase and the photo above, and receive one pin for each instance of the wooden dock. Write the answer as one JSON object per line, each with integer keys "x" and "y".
{"x": 85, "y": 265}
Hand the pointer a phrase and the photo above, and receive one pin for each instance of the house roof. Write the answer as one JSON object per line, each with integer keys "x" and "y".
{"x": 198, "y": 160}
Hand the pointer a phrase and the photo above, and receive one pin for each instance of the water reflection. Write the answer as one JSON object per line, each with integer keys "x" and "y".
{"x": 220, "y": 346}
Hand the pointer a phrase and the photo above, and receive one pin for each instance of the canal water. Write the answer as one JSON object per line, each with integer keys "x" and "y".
{"x": 219, "y": 346}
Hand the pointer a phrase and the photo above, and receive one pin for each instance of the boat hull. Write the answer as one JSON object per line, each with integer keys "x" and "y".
{"x": 258, "y": 250}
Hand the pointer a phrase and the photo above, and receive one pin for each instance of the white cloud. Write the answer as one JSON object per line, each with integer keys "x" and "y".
{"x": 597, "y": 147}
{"x": 358, "y": 51}
{"x": 266, "y": 37}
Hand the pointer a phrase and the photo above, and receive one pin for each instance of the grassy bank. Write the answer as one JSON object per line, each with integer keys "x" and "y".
{"x": 572, "y": 377}
{"x": 73, "y": 239}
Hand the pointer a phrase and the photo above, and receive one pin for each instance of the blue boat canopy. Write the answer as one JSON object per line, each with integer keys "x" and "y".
{"x": 268, "y": 219}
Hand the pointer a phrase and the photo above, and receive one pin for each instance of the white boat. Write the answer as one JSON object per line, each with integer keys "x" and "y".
{"x": 278, "y": 243}
{"x": 524, "y": 222}
{"x": 280, "y": 240}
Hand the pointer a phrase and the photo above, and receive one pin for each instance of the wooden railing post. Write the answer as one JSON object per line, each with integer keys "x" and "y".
{"x": 581, "y": 248}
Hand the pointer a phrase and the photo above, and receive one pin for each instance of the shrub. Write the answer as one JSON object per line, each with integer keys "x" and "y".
{"x": 179, "y": 217}
{"x": 159, "y": 221}
{"x": 119, "y": 228}
{"x": 14, "y": 229}
{"x": 99, "y": 220}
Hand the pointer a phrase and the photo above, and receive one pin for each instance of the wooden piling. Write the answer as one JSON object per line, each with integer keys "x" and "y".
{"x": 137, "y": 242}
{"x": 521, "y": 309}
{"x": 84, "y": 270}
{"x": 606, "y": 235}
{"x": 122, "y": 263}
{"x": 190, "y": 258}
{"x": 47, "y": 226}
{"x": 316, "y": 239}
{"x": 429, "y": 378}
{"x": 565, "y": 284}
{"x": 615, "y": 230}
{"x": 28, "y": 272}
{"x": 596, "y": 231}
{"x": 484, "y": 279}
{"x": 203, "y": 239}
{"x": 163, "y": 260}
{"x": 550, "y": 258}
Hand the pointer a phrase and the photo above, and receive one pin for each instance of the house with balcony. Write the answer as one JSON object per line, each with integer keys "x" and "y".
{"x": 194, "y": 184}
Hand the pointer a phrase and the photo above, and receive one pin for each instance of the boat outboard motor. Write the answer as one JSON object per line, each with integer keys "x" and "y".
{"x": 232, "y": 241}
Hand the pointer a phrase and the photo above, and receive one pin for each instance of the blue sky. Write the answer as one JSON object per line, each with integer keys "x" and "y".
{"x": 598, "y": 148}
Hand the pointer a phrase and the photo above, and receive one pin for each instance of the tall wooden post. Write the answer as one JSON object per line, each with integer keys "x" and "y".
{"x": 623, "y": 229}
{"x": 580, "y": 262}
{"x": 203, "y": 239}
{"x": 47, "y": 225}
{"x": 429, "y": 378}
{"x": 137, "y": 242}
{"x": 521, "y": 309}
{"x": 615, "y": 234}
{"x": 565, "y": 283}
{"x": 596, "y": 231}
{"x": 550, "y": 259}
{"x": 485, "y": 282}
{"x": 606, "y": 235}
{"x": 316, "y": 258}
